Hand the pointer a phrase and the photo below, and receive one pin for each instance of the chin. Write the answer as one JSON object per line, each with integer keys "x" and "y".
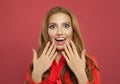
{"x": 60, "y": 48}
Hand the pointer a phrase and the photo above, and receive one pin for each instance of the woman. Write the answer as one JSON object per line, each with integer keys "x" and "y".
{"x": 61, "y": 57}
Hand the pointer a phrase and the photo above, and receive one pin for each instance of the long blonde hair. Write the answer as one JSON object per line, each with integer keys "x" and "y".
{"x": 77, "y": 39}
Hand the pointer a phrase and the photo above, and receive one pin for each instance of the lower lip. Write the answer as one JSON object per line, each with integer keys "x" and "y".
{"x": 60, "y": 42}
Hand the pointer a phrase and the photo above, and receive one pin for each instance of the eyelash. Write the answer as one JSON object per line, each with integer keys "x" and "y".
{"x": 66, "y": 25}
{"x": 51, "y": 26}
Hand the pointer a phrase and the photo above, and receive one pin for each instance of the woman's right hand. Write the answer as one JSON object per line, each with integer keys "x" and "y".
{"x": 43, "y": 63}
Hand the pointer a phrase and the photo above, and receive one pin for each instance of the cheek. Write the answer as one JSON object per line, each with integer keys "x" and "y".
{"x": 68, "y": 33}
{"x": 51, "y": 34}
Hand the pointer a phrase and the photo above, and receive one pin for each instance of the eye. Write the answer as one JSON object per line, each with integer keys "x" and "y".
{"x": 66, "y": 25}
{"x": 51, "y": 26}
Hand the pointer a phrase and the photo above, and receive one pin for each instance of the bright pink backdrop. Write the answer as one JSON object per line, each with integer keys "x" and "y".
{"x": 20, "y": 25}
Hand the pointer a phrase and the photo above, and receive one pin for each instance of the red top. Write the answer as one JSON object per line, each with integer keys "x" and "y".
{"x": 54, "y": 77}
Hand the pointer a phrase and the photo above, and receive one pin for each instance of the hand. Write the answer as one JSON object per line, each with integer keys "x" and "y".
{"x": 76, "y": 64}
{"x": 43, "y": 63}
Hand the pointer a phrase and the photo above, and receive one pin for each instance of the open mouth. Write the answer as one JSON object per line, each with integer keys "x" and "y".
{"x": 60, "y": 40}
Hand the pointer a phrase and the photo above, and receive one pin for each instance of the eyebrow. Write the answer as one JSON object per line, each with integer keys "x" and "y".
{"x": 62, "y": 23}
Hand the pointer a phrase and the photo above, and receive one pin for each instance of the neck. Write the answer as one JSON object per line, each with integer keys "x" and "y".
{"x": 58, "y": 57}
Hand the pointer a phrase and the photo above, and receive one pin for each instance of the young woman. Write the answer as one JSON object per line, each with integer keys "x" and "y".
{"x": 61, "y": 57}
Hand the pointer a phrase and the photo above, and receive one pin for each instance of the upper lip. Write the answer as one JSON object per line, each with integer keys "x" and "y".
{"x": 59, "y": 38}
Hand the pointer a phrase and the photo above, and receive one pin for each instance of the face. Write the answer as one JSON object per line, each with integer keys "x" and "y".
{"x": 60, "y": 29}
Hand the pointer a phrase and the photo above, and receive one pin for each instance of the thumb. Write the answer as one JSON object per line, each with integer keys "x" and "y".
{"x": 34, "y": 54}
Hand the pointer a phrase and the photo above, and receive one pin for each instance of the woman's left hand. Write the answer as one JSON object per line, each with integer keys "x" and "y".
{"x": 75, "y": 63}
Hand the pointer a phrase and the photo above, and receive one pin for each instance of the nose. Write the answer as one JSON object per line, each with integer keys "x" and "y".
{"x": 59, "y": 31}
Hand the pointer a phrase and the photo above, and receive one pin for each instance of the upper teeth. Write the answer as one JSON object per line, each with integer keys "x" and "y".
{"x": 60, "y": 38}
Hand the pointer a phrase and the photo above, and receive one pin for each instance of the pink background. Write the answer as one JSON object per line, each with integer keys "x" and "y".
{"x": 20, "y": 22}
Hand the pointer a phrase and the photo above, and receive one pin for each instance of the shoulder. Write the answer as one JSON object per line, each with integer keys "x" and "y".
{"x": 29, "y": 66}
{"x": 95, "y": 70}
{"x": 93, "y": 59}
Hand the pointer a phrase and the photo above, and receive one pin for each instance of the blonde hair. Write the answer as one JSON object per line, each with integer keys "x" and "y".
{"x": 77, "y": 39}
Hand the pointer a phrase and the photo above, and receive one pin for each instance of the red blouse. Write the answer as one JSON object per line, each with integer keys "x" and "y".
{"x": 54, "y": 77}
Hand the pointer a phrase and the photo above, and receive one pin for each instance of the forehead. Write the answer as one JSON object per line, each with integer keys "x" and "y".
{"x": 59, "y": 18}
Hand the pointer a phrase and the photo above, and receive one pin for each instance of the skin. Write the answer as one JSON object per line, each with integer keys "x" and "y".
{"x": 60, "y": 26}
{"x": 44, "y": 62}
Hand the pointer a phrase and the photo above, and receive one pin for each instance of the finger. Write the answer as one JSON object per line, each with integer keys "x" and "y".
{"x": 66, "y": 58}
{"x": 34, "y": 54}
{"x": 73, "y": 47}
{"x": 46, "y": 47}
{"x": 69, "y": 49}
{"x": 53, "y": 56}
{"x": 83, "y": 54}
{"x": 50, "y": 49}
{"x": 52, "y": 52}
{"x": 66, "y": 50}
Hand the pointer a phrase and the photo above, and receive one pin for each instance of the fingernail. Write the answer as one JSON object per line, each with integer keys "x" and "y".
{"x": 33, "y": 50}
{"x": 64, "y": 45}
{"x": 48, "y": 42}
{"x": 66, "y": 41}
{"x": 54, "y": 42}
